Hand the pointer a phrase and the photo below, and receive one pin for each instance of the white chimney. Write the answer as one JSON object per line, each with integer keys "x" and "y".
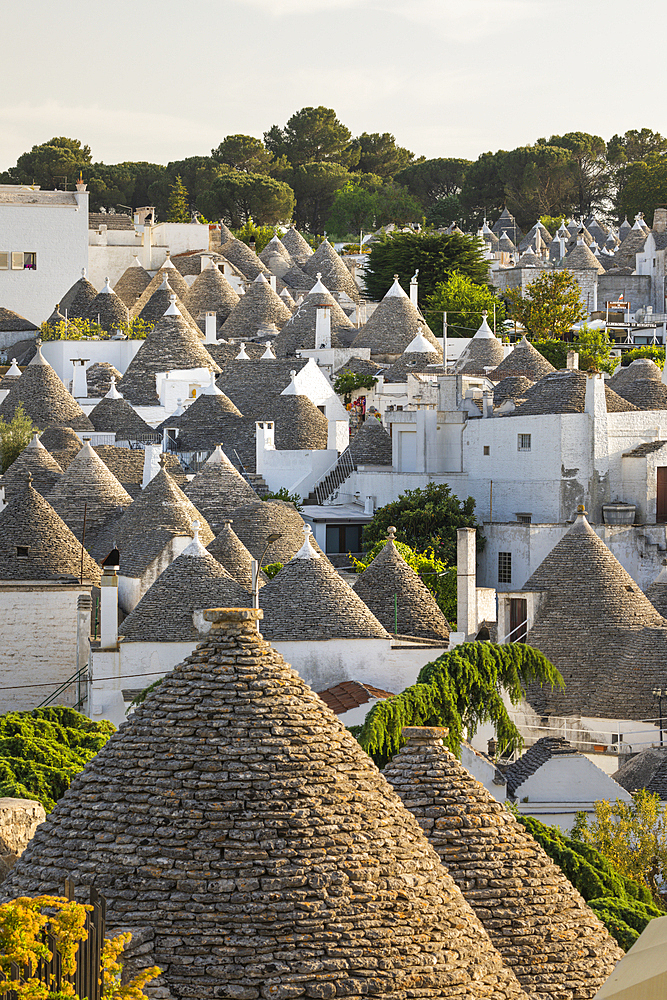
{"x": 572, "y": 360}
{"x": 152, "y": 454}
{"x": 84, "y": 607}
{"x": 414, "y": 289}
{"x": 211, "y": 333}
{"x": 272, "y": 282}
{"x": 466, "y": 582}
{"x": 323, "y": 326}
{"x": 79, "y": 383}
{"x": 369, "y": 505}
{"x": 109, "y": 608}
{"x": 487, "y": 404}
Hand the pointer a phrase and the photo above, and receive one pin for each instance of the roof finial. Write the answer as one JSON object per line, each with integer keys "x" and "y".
{"x": 391, "y": 533}
{"x": 242, "y": 355}
{"x": 162, "y": 460}
{"x": 306, "y": 551}
{"x": 196, "y": 525}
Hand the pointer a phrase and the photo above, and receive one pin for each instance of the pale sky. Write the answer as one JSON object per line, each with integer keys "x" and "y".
{"x": 162, "y": 81}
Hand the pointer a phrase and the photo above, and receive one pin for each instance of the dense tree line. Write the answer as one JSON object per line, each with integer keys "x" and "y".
{"x": 314, "y": 171}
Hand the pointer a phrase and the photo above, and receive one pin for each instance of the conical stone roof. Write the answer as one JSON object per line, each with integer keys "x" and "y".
{"x": 160, "y": 512}
{"x": 564, "y": 391}
{"x": 159, "y": 305}
{"x": 335, "y": 275}
{"x": 56, "y": 317}
{"x": 45, "y": 399}
{"x": 393, "y": 325}
{"x": 413, "y": 363}
{"x": 299, "y": 331}
{"x": 523, "y": 361}
{"x": 59, "y": 437}
{"x": 41, "y": 465}
{"x": 547, "y": 935}
{"x": 88, "y": 487}
{"x": 211, "y": 292}
{"x": 217, "y": 490}
{"x": 484, "y": 352}
{"x": 255, "y": 521}
{"x": 656, "y": 591}
{"x": 231, "y": 553}
{"x": 598, "y": 628}
{"x": 99, "y": 376}
{"x": 398, "y": 598}
{"x": 76, "y": 300}
{"x": 234, "y": 751}
{"x": 275, "y": 245}
{"x": 371, "y": 445}
{"x": 641, "y": 368}
{"x": 209, "y": 420}
{"x": 10, "y": 376}
{"x": 297, "y": 279}
{"x": 296, "y": 246}
{"x": 170, "y": 344}
{"x": 644, "y": 393}
{"x": 512, "y": 387}
{"x": 582, "y": 258}
{"x": 113, "y": 413}
{"x": 259, "y": 305}
{"x": 108, "y": 309}
{"x": 309, "y": 601}
{"x": 132, "y": 283}
{"x": 29, "y": 523}
{"x": 246, "y": 260}
{"x": 191, "y": 582}
{"x": 175, "y": 280}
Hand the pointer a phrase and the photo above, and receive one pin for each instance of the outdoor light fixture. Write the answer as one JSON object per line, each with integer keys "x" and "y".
{"x": 257, "y": 565}
{"x": 660, "y": 693}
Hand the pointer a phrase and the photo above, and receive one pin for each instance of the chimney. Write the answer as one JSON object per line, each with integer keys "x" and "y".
{"x": 79, "y": 383}
{"x": 3, "y": 501}
{"x": 572, "y": 360}
{"x": 109, "y": 603}
{"x": 211, "y": 333}
{"x": 660, "y": 220}
{"x": 561, "y": 242}
{"x": 466, "y": 582}
{"x": 487, "y": 404}
{"x": 272, "y": 282}
{"x": 84, "y": 607}
{"x": 151, "y": 463}
{"x": 323, "y": 327}
{"x": 369, "y": 505}
{"x": 414, "y": 289}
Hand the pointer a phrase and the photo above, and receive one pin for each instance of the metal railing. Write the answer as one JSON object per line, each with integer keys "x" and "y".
{"x": 334, "y": 477}
{"x": 522, "y": 625}
{"x": 79, "y": 678}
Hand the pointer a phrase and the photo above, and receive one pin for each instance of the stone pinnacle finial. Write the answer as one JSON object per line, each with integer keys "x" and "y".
{"x": 196, "y": 525}
{"x": 424, "y": 734}
{"x": 391, "y": 533}
{"x": 28, "y": 478}
{"x": 162, "y": 460}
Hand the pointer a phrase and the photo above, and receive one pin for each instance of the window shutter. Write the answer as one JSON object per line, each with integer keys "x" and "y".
{"x": 17, "y": 260}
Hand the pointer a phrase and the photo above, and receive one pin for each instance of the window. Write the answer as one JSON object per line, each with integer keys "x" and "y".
{"x": 343, "y": 538}
{"x": 524, "y": 518}
{"x": 30, "y": 261}
{"x": 523, "y": 442}
{"x": 22, "y": 551}
{"x": 4, "y": 261}
{"x": 20, "y": 261}
{"x": 487, "y": 449}
{"x": 17, "y": 261}
{"x": 504, "y": 567}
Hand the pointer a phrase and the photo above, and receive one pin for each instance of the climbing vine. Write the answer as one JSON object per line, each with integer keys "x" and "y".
{"x": 460, "y": 690}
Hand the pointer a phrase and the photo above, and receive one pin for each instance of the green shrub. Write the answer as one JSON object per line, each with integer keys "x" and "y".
{"x": 651, "y": 351}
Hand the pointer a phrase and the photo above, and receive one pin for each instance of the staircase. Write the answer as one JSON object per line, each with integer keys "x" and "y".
{"x": 327, "y": 488}
{"x": 257, "y": 482}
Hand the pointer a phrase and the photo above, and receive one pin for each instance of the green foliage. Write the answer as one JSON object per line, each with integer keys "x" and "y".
{"x": 284, "y": 494}
{"x": 624, "y": 905}
{"x": 594, "y": 348}
{"x": 436, "y": 255}
{"x": 651, "y": 351}
{"x": 633, "y": 836}
{"x": 357, "y": 207}
{"x": 51, "y": 164}
{"x": 551, "y": 306}
{"x": 461, "y": 690}
{"x": 133, "y": 184}
{"x": 243, "y": 152}
{"x": 315, "y": 186}
{"x": 259, "y": 235}
{"x": 313, "y": 135}
{"x": 379, "y": 154}
{"x": 179, "y": 210}
{"x": 238, "y": 196}
{"x": 15, "y": 435}
{"x": 555, "y": 351}
{"x": 436, "y": 575}
{"x": 141, "y": 697}
{"x": 432, "y": 181}
{"x": 347, "y": 382}
{"x": 43, "y": 750}
{"x": 88, "y": 329}
{"x": 464, "y": 301}
{"x": 425, "y": 518}
{"x": 272, "y": 569}
{"x": 552, "y": 223}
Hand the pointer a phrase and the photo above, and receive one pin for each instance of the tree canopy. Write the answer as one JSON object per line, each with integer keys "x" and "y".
{"x": 425, "y": 518}
{"x": 238, "y": 196}
{"x": 464, "y": 301}
{"x": 551, "y": 305}
{"x": 436, "y": 255}
{"x": 52, "y": 164}
{"x": 460, "y": 690}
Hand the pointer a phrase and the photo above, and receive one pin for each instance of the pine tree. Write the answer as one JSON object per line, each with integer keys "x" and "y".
{"x": 179, "y": 210}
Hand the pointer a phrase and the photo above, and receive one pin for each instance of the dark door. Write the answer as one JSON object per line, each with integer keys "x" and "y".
{"x": 518, "y": 616}
{"x": 661, "y": 499}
